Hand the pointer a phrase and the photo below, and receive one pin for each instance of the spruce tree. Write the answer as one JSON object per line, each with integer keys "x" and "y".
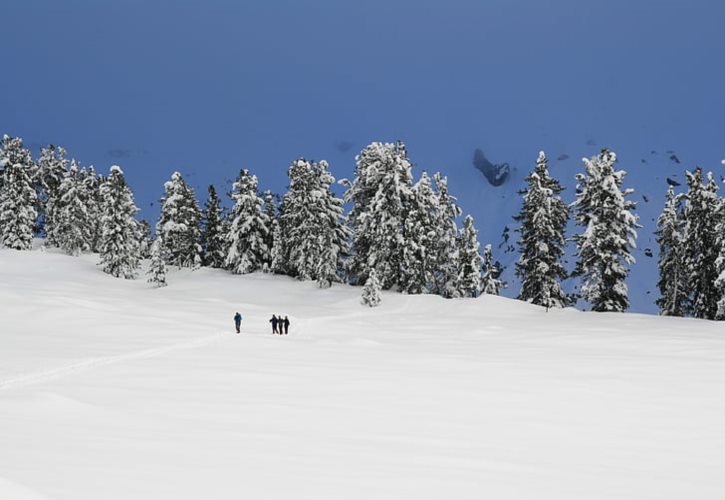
{"x": 380, "y": 196}
{"x": 421, "y": 240}
{"x": 157, "y": 266}
{"x": 609, "y": 232}
{"x": 146, "y": 241}
{"x": 13, "y": 152}
{"x": 470, "y": 261}
{"x": 119, "y": 242}
{"x": 490, "y": 273}
{"x": 179, "y": 224}
{"x": 247, "y": 251}
{"x": 543, "y": 219}
{"x": 17, "y": 207}
{"x": 213, "y": 236}
{"x": 70, "y": 227}
{"x": 51, "y": 169}
{"x": 271, "y": 201}
{"x": 371, "y": 292}
{"x": 313, "y": 237}
{"x": 92, "y": 184}
{"x": 448, "y": 252}
{"x": 673, "y": 278}
{"x": 700, "y": 250}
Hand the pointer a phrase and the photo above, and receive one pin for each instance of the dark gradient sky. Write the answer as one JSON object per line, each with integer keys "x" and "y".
{"x": 208, "y": 87}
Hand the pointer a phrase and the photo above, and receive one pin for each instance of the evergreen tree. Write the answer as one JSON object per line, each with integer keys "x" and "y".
{"x": 146, "y": 241}
{"x": 543, "y": 220}
{"x": 380, "y": 194}
{"x": 179, "y": 224}
{"x": 371, "y": 293}
{"x": 51, "y": 169}
{"x": 421, "y": 240}
{"x": 247, "y": 250}
{"x": 700, "y": 250}
{"x": 118, "y": 246}
{"x": 270, "y": 209}
{"x": 92, "y": 184}
{"x": 71, "y": 228}
{"x": 673, "y": 277}
{"x": 213, "y": 235}
{"x": 157, "y": 267}
{"x": 609, "y": 233}
{"x": 313, "y": 236}
{"x": 448, "y": 248}
{"x": 13, "y": 152}
{"x": 17, "y": 207}
{"x": 490, "y": 273}
{"x": 277, "y": 263}
{"x": 470, "y": 261}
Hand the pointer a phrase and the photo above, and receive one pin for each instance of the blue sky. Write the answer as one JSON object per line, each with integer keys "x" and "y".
{"x": 208, "y": 87}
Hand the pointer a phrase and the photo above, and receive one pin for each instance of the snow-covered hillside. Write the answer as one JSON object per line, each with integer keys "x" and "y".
{"x": 112, "y": 389}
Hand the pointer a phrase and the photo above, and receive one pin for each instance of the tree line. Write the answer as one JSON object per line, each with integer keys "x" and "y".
{"x": 399, "y": 233}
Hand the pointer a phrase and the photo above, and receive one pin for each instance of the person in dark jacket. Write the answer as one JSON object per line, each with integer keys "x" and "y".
{"x": 238, "y": 321}
{"x": 274, "y": 322}
{"x": 286, "y": 325}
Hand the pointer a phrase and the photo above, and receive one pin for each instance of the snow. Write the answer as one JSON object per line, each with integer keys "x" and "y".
{"x": 113, "y": 389}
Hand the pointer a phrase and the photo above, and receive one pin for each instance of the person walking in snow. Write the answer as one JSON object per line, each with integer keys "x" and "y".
{"x": 274, "y": 322}
{"x": 238, "y": 321}
{"x": 286, "y": 325}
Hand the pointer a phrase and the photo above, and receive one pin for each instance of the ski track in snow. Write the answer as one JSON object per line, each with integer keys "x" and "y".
{"x": 89, "y": 364}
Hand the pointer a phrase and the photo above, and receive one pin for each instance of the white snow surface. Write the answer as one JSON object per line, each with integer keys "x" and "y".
{"x": 112, "y": 389}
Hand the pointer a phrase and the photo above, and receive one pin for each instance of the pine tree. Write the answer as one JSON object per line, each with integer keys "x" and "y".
{"x": 119, "y": 248}
{"x": 17, "y": 207}
{"x": 470, "y": 261}
{"x": 447, "y": 259}
{"x": 543, "y": 219}
{"x": 312, "y": 225}
{"x": 179, "y": 224}
{"x": 213, "y": 235}
{"x": 270, "y": 209}
{"x": 92, "y": 184}
{"x": 421, "y": 240}
{"x": 371, "y": 292}
{"x": 673, "y": 278}
{"x": 380, "y": 194}
{"x": 490, "y": 273}
{"x": 247, "y": 250}
{"x": 277, "y": 263}
{"x": 51, "y": 169}
{"x": 700, "y": 250}
{"x": 13, "y": 152}
{"x": 609, "y": 233}
{"x": 70, "y": 227}
{"x": 146, "y": 240}
{"x": 157, "y": 267}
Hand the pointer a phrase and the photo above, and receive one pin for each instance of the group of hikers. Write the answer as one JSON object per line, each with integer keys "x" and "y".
{"x": 279, "y": 326}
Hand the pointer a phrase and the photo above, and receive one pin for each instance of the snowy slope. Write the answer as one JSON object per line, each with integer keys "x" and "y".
{"x": 110, "y": 389}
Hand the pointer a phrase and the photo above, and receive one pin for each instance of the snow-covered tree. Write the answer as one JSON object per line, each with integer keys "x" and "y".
{"x": 700, "y": 249}
{"x": 17, "y": 207}
{"x": 247, "y": 251}
{"x": 119, "y": 243}
{"x": 673, "y": 277}
{"x": 271, "y": 201}
{"x": 13, "y": 152}
{"x": 146, "y": 240}
{"x": 179, "y": 224}
{"x": 313, "y": 235}
{"x": 213, "y": 235}
{"x": 70, "y": 226}
{"x": 277, "y": 262}
{"x": 421, "y": 240}
{"x": 470, "y": 261}
{"x": 51, "y": 169}
{"x": 371, "y": 292}
{"x": 157, "y": 266}
{"x": 447, "y": 259}
{"x": 92, "y": 184}
{"x": 380, "y": 195}
{"x": 491, "y": 270}
{"x": 543, "y": 220}
{"x": 603, "y": 248}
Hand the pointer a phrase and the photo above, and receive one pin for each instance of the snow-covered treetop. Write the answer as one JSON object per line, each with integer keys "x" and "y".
{"x": 115, "y": 169}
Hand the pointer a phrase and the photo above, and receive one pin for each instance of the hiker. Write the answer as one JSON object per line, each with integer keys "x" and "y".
{"x": 286, "y": 325}
{"x": 274, "y": 322}
{"x": 237, "y": 320}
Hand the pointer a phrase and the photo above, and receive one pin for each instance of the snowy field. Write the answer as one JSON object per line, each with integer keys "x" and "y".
{"x": 110, "y": 389}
